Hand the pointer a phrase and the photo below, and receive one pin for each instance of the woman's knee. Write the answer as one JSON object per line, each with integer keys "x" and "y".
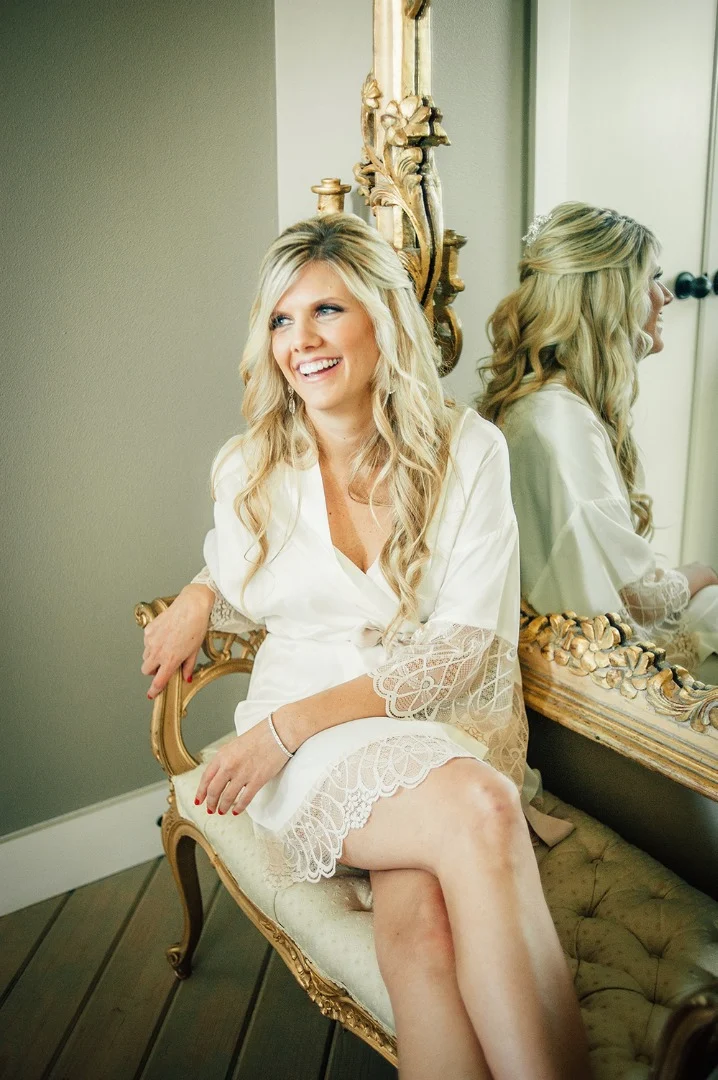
{"x": 411, "y": 929}
{"x": 482, "y": 805}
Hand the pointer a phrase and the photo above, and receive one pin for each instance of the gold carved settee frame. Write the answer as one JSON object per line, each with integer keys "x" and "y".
{"x": 587, "y": 674}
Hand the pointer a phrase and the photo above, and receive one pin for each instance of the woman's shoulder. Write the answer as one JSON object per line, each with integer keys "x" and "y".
{"x": 476, "y": 443}
{"x": 476, "y": 439}
{"x": 229, "y": 470}
{"x": 552, "y": 415}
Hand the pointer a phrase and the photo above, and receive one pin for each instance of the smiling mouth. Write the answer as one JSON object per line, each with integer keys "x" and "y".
{"x": 313, "y": 369}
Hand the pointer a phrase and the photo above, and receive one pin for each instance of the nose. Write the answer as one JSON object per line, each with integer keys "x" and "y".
{"x": 305, "y": 335}
{"x": 668, "y": 296}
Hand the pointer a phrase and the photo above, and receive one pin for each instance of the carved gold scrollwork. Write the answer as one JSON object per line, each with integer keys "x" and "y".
{"x": 397, "y": 175}
{"x": 602, "y": 649}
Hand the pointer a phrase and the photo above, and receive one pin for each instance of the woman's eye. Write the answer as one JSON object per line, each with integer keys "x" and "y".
{"x": 324, "y": 309}
{"x": 276, "y": 321}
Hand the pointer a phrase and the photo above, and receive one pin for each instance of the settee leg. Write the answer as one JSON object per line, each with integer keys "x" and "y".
{"x": 180, "y": 848}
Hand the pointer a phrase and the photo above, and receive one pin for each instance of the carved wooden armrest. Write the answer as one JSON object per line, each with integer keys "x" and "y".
{"x": 170, "y": 707}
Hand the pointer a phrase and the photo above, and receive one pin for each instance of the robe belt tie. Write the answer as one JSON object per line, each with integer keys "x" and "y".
{"x": 368, "y": 636}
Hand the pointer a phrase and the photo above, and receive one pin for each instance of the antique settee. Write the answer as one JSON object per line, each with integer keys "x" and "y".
{"x": 642, "y": 945}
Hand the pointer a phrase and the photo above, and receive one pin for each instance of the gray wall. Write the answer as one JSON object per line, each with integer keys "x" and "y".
{"x": 140, "y": 193}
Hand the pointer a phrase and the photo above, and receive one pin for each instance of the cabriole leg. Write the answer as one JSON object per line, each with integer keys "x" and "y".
{"x": 179, "y": 847}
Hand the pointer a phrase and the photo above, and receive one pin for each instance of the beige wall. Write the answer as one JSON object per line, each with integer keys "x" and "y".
{"x": 140, "y": 195}
{"x": 480, "y": 77}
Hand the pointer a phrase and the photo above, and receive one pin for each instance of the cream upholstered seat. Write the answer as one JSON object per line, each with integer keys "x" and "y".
{"x": 638, "y": 939}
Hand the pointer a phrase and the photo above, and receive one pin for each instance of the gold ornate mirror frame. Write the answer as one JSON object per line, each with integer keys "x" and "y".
{"x": 588, "y": 674}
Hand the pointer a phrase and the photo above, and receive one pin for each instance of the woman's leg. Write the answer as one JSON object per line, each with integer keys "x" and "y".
{"x": 464, "y": 825}
{"x": 416, "y": 958}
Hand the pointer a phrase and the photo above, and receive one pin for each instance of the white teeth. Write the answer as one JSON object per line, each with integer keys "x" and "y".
{"x": 317, "y": 365}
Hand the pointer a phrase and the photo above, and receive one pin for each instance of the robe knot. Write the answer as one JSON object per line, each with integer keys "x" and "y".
{"x": 366, "y": 637}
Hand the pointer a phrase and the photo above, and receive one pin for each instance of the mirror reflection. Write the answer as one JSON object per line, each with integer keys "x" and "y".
{"x": 561, "y": 383}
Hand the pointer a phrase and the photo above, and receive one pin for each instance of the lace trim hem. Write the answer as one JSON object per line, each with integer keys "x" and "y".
{"x": 308, "y": 846}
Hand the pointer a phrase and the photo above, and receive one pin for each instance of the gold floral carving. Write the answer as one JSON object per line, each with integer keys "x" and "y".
{"x": 602, "y": 650}
{"x": 397, "y": 173}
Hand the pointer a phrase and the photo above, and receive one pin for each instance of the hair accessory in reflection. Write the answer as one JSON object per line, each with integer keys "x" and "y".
{"x": 535, "y": 228}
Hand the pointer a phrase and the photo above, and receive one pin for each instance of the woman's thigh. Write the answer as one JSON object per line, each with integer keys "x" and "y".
{"x": 412, "y": 828}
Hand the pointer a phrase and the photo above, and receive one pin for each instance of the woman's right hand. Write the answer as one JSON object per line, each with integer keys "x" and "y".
{"x": 174, "y": 638}
{"x": 699, "y": 576}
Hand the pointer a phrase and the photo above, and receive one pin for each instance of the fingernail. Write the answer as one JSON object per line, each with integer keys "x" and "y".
{"x": 209, "y": 811}
{"x": 197, "y": 802}
{"x": 220, "y": 812}
{"x": 236, "y": 813}
{"x": 189, "y": 679}
{"x": 149, "y": 697}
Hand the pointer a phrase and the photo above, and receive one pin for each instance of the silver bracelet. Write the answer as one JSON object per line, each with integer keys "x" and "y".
{"x": 280, "y": 744}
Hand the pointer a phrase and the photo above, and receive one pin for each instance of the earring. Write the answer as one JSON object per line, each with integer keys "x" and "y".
{"x": 292, "y": 406}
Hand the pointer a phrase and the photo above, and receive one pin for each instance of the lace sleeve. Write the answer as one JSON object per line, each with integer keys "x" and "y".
{"x": 224, "y": 617}
{"x": 440, "y": 664}
{"x": 659, "y": 599}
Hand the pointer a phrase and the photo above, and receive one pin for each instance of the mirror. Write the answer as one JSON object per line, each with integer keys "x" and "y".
{"x": 610, "y": 131}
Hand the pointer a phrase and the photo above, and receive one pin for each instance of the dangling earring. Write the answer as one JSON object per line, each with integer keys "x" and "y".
{"x": 292, "y": 404}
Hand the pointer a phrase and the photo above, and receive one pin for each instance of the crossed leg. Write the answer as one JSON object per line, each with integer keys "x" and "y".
{"x": 415, "y": 950}
{"x": 464, "y": 826}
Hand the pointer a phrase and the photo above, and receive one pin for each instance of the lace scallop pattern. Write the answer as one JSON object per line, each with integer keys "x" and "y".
{"x": 462, "y": 675}
{"x": 308, "y": 846}
{"x": 656, "y": 606}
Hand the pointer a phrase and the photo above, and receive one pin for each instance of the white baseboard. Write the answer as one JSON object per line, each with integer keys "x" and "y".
{"x": 75, "y": 849}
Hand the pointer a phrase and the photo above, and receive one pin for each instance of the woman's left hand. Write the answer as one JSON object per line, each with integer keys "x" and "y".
{"x": 239, "y": 769}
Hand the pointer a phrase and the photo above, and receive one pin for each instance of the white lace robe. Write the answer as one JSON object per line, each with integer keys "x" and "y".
{"x": 450, "y": 681}
{"x": 579, "y": 549}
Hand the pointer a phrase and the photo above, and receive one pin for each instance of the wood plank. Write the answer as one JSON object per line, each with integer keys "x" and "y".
{"x": 350, "y": 1057}
{"x": 288, "y": 1036}
{"x": 19, "y": 933}
{"x": 118, "y": 1022}
{"x": 210, "y": 1009}
{"x": 50, "y": 990}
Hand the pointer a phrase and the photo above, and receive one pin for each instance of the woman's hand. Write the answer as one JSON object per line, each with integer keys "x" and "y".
{"x": 699, "y": 576}
{"x": 239, "y": 769}
{"x": 173, "y": 639}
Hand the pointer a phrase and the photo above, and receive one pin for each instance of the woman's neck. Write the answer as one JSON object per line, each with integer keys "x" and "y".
{"x": 340, "y": 437}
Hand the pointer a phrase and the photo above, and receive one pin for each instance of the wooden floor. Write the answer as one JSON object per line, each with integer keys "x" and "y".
{"x": 86, "y": 992}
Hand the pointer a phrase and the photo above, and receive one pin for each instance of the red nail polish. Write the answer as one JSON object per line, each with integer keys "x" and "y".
{"x": 236, "y": 813}
{"x": 209, "y": 811}
{"x": 220, "y": 812}
{"x": 149, "y": 697}
{"x": 197, "y": 802}
{"x": 189, "y": 679}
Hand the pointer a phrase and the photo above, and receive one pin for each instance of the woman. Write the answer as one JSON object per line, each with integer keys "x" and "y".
{"x": 561, "y": 384}
{"x": 368, "y": 525}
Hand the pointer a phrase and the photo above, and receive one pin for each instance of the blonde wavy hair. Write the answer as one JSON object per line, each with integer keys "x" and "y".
{"x": 579, "y": 313}
{"x": 404, "y": 460}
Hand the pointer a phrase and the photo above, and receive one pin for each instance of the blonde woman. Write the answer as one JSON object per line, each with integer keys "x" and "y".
{"x": 561, "y": 383}
{"x": 367, "y": 524}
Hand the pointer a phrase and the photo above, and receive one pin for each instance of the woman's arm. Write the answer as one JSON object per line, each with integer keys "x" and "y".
{"x": 699, "y": 576}
{"x": 174, "y": 638}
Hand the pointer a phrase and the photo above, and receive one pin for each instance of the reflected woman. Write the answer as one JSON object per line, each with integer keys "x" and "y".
{"x": 561, "y": 384}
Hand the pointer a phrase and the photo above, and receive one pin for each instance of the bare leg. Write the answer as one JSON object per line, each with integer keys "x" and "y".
{"x": 414, "y": 947}
{"x": 464, "y": 825}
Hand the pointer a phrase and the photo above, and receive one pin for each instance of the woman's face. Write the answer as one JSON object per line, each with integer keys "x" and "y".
{"x": 658, "y": 296}
{"x": 323, "y": 341}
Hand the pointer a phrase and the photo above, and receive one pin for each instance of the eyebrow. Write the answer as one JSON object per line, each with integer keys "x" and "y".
{"x": 317, "y": 303}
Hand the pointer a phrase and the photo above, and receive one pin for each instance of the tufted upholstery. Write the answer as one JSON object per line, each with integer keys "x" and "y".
{"x": 637, "y": 937}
